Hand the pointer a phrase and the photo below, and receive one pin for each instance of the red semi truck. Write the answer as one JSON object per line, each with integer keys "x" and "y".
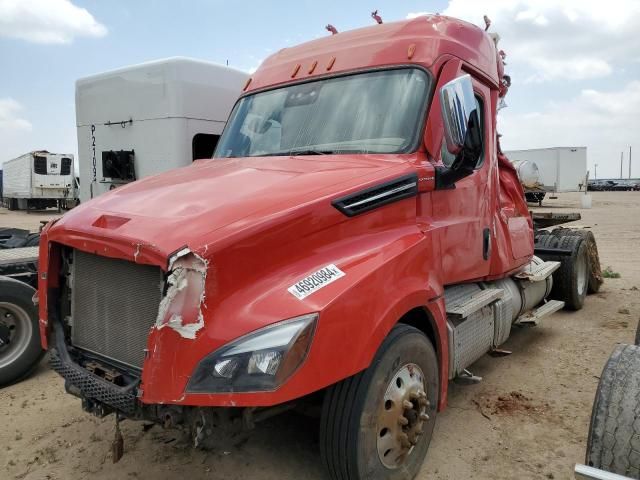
{"x": 358, "y": 238}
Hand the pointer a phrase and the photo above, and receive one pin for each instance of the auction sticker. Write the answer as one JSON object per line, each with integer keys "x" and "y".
{"x": 316, "y": 281}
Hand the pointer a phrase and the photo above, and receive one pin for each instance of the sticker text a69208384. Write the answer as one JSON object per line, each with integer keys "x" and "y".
{"x": 316, "y": 281}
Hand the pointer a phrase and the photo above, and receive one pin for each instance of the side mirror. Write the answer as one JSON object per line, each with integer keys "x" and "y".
{"x": 462, "y": 128}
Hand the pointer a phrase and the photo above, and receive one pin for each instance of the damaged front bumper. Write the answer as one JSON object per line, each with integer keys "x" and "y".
{"x": 99, "y": 395}
{"x": 208, "y": 427}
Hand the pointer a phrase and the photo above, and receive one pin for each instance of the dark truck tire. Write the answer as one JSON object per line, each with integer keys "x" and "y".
{"x": 18, "y": 325}
{"x": 637, "y": 339}
{"x": 614, "y": 433}
{"x": 571, "y": 280}
{"x": 370, "y": 422}
{"x": 595, "y": 276}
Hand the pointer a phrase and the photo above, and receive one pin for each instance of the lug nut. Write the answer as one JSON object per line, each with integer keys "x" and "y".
{"x": 424, "y": 417}
{"x": 414, "y": 395}
{"x": 407, "y": 404}
{"x": 403, "y": 421}
{"x": 404, "y": 440}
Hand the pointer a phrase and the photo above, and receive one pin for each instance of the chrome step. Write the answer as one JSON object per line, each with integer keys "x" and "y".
{"x": 466, "y": 306}
{"x": 537, "y": 273}
{"x": 534, "y": 316}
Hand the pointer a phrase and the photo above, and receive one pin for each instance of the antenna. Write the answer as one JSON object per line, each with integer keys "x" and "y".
{"x": 487, "y": 23}
{"x": 376, "y": 17}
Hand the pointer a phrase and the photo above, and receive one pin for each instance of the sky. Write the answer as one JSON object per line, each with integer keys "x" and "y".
{"x": 575, "y": 67}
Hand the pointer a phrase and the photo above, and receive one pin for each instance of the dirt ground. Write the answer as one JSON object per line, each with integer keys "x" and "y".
{"x": 527, "y": 419}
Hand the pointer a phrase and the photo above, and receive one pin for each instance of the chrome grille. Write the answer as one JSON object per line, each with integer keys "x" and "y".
{"x": 114, "y": 304}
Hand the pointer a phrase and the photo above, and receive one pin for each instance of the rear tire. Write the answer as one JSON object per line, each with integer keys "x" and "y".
{"x": 595, "y": 275}
{"x": 371, "y": 422}
{"x": 571, "y": 280}
{"x": 613, "y": 433}
{"x": 20, "y": 351}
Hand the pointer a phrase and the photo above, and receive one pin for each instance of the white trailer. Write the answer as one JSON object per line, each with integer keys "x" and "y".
{"x": 561, "y": 169}
{"x": 145, "y": 119}
{"x": 38, "y": 179}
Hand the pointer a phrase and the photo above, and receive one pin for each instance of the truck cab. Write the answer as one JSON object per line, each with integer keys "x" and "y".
{"x": 357, "y": 237}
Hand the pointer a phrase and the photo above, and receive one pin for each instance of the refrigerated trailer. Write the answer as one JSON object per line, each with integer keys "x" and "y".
{"x": 38, "y": 179}
{"x": 144, "y": 119}
{"x": 561, "y": 169}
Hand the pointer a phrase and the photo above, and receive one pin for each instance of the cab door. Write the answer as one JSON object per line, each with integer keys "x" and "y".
{"x": 463, "y": 215}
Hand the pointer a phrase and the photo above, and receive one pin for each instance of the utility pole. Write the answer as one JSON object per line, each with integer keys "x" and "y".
{"x": 629, "y": 162}
{"x": 621, "y": 159}
{"x": 595, "y": 171}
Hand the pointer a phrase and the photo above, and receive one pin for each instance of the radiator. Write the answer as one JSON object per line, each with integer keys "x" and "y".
{"x": 114, "y": 304}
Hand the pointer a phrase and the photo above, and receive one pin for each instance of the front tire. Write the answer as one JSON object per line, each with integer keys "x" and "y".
{"x": 378, "y": 424}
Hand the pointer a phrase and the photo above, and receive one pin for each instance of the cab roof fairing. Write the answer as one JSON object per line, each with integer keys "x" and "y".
{"x": 381, "y": 45}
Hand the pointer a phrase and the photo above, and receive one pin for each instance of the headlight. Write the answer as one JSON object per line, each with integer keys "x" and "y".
{"x": 262, "y": 360}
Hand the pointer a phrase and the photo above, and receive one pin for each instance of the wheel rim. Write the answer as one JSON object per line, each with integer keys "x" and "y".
{"x": 16, "y": 331}
{"x": 402, "y": 416}
{"x": 581, "y": 268}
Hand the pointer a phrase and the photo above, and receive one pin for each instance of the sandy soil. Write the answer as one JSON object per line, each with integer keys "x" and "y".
{"x": 527, "y": 419}
{"x": 28, "y": 221}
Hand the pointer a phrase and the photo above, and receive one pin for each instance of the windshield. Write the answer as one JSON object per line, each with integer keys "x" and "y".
{"x": 375, "y": 112}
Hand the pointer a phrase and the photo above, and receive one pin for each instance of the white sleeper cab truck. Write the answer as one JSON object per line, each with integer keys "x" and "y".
{"x": 38, "y": 180}
{"x": 145, "y": 119}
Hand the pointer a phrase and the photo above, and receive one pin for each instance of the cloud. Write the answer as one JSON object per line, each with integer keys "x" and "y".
{"x": 10, "y": 121}
{"x": 47, "y": 21}
{"x": 604, "y": 121}
{"x": 14, "y": 130}
{"x": 568, "y": 40}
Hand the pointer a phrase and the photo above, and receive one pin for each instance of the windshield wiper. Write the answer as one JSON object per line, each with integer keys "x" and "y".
{"x": 298, "y": 152}
{"x": 312, "y": 152}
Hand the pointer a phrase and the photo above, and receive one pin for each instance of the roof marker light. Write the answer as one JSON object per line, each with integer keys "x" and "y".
{"x": 332, "y": 29}
{"x": 246, "y": 85}
{"x": 331, "y": 62}
{"x": 411, "y": 51}
{"x": 313, "y": 66}
{"x": 295, "y": 71}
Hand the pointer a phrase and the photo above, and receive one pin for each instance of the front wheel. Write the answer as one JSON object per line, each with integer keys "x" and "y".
{"x": 378, "y": 424}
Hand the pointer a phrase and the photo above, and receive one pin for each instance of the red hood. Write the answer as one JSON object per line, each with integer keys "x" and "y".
{"x": 184, "y": 207}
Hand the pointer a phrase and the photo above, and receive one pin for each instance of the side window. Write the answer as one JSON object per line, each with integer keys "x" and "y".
{"x": 448, "y": 157}
{"x": 203, "y": 145}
